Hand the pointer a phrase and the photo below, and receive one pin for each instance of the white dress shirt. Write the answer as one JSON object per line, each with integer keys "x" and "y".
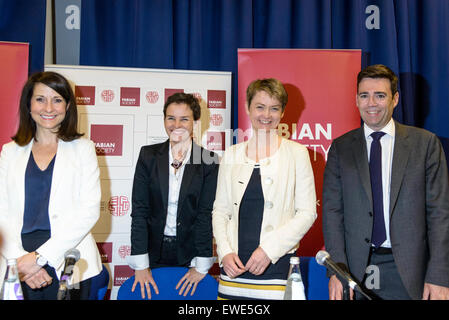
{"x": 142, "y": 261}
{"x": 174, "y": 186}
{"x": 387, "y": 143}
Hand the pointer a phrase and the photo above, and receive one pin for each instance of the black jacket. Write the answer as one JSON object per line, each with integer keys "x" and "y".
{"x": 196, "y": 198}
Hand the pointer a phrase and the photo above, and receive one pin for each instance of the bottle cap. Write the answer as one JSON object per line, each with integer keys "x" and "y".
{"x": 294, "y": 260}
{"x": 11, "y": 261}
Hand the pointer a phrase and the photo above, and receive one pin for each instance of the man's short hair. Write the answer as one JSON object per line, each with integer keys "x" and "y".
{"x": 379, "y": 71}
{"x": 271, "y": 86}
{"x": 188, "y": 99}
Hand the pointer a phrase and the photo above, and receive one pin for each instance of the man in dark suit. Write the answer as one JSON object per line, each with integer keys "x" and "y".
{"x": 173, "y": 194}
{"x": 386, "y": 200}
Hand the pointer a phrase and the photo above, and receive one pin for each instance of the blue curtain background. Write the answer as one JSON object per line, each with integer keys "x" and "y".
{"x": 413, "y": 39}
{"x": 24, "y": 21}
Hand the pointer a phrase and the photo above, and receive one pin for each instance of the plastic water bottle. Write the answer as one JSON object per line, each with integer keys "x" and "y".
{"x": 294, "y": 290}
{"x": 12, "y": 289}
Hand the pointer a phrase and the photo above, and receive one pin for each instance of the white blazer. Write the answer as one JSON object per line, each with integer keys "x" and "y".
{"x": 289, "y": 192}
{"x": 74, "y": 205}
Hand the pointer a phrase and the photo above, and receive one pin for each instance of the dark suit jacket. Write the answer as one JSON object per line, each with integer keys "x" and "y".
{"x": 419, "y": 207}
{"x": 150, "y": 199}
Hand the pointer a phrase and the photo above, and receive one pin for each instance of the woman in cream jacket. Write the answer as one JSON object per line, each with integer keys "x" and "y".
{"x": 265, "y": 198}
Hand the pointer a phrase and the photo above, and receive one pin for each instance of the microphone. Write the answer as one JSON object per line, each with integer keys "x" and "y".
{"x": 323, "y": 258}
{"x": 71, "y": 257}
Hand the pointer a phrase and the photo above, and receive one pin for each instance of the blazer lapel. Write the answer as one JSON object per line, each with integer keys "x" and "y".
{"x": 189, "y": 171}
{"x": 361, "y": 160}
{"x": 20, "y": 167}
{"x": 401, "y": 154}
{"x": 59, "y": 168}
{"x": 162, "y": 169}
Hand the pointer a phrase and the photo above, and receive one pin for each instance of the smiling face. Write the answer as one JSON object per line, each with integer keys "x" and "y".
{"x": 376, "y": 102}
{"x": 178, "y": 122}
{"x": 265, "y": 112}
{"x": 48, "y": 108}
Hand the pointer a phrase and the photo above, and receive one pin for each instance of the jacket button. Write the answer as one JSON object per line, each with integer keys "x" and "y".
{"x": 367, "y": 240}
{"x": 269, "y": 228}
{"x": 268, "y": 204}
{"x": 370, "y": 214}
{"x": 268, "y": 180}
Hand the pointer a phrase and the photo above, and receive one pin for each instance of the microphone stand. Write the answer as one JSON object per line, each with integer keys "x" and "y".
{"x": 355, "y": 285}
{"x": 342, "y": 272}
{"x": 63, "y": 291}
{"x": 71, "y": 257}
{"x": 346, "y": 292}
{"x": 62, "y": 294}
{"x": 367, "y": 296}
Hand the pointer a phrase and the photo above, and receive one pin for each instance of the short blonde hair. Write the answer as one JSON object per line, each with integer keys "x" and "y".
{"x": 271, "y": 86}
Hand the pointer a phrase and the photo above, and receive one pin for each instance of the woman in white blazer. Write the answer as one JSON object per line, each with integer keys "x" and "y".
{"x": 265, "y": 201}
{"x": 49, "y": 191}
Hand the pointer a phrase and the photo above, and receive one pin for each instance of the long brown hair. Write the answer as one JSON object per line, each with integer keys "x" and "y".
{"x": 27, "y": 127}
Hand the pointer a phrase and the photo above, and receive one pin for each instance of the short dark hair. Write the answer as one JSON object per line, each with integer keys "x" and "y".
{"x": 379, "y": 71}
{"x": 188, "y": 99}
{"x": 27, "y": 127}
{"x": 272, "y": 86}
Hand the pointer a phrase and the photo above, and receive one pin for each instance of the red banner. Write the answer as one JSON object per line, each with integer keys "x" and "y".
{"x": 321, "y": 87}
{"x": 14, "y": 71}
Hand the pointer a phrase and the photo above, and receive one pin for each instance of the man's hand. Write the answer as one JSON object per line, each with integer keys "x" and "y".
{"x": 435, "y": 292}
{"x": 336, "y": 289}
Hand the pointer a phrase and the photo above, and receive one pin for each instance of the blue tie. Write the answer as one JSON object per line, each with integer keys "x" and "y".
{"x": 375, "y": 168}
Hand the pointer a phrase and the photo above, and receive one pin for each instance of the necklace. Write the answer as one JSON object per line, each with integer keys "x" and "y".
{"x": 176, "y": 163}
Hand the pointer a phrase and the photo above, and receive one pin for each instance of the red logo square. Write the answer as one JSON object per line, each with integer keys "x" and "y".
{"x": 121, "y": 274}
{"x": 216, "y": 141}
{"x": 169, "y": 92}
{"x": 105, "y": 249}
{"x": 129, "y": 97}
{"x": 108, "y": 139}
{"x": 85, "y": 95}
{"x": 216, "y": 99}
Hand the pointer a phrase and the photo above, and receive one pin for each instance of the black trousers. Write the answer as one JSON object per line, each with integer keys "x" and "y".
{"x": 168, "y": 254}
{"x": 32, "y": 241}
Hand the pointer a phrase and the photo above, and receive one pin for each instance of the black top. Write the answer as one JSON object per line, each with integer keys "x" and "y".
{"x": 250, "y": 224}
{"x": 37, "y": 196}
